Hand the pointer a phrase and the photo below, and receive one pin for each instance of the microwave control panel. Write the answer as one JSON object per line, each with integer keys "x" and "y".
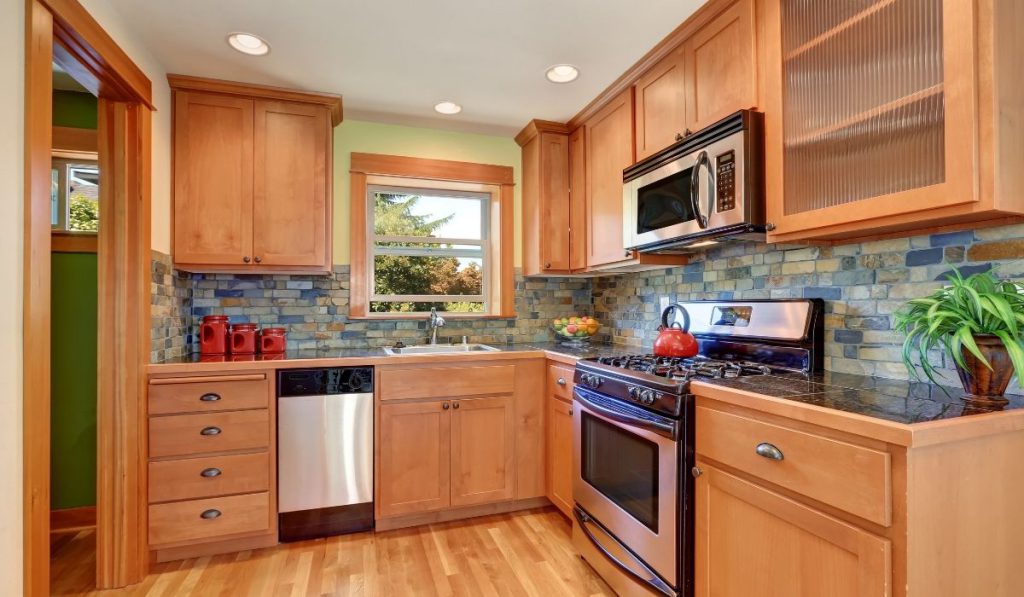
{"x": 725, "y": 170}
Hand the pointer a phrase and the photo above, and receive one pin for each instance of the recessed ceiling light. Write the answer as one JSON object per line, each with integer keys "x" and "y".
{"x": 562, "y": 73}
{"x": 447, "y": 108}
{"x": 247, "y": 43}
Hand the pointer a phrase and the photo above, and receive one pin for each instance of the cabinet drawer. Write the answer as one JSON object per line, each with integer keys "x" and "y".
{"x": 182, "y": 435}
{"x": 193, "y": 478}
{"x": 208, "y": 394}
{"x": 446, "y": 382}
{"x": 852, "y": 478}
{"x": 564, "y": 374}
{"x": 183, "y": 521}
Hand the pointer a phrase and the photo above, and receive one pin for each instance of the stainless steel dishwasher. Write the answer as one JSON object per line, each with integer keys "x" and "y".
{"x": 324, "y": 452}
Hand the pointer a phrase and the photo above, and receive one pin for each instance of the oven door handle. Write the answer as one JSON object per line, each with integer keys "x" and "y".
{"x": 665, "y": 428}
{"x": 634, "y": 566}
{"x": 699, "y": 163}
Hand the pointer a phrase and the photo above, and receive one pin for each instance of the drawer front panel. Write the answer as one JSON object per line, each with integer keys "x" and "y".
{"x": 564, "y": 374}
{"x": 196, "y": 520}
{"x": 445, "y": 382}
{"x": 211, "y": 476}
{"x": 209, "y": 395}
{"x": 853, "y": 478}
{"x": 184, "y": 435}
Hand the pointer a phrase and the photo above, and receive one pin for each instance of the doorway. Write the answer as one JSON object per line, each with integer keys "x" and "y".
{"x": 61, "y": 32}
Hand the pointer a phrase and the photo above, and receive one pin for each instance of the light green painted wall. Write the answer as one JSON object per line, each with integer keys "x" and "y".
{"x": 371, "y": 137}
{"x": 74, "y": 109}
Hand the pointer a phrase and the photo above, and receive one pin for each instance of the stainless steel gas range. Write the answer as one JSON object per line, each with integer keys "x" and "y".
{"x": 633, "y": 436}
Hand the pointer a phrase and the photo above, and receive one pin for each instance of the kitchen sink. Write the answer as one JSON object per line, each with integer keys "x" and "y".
{"x": 438, "y": 349}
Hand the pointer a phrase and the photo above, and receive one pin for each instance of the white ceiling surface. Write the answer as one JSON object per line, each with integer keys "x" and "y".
{"x": 393, "y": 60}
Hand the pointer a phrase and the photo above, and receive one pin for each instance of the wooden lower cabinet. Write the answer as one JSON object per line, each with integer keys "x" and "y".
{"x": 414, "y": 456}
{"x": 560, "y": 455}
{"x": 482, "y": 450}
{"x": 752, "y": 541}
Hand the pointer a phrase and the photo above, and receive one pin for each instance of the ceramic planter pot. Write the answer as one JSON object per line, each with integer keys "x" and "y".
{"x": 980, "y": 382}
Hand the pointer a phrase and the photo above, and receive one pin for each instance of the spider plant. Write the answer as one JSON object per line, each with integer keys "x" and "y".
{"x": 953, "y": 318}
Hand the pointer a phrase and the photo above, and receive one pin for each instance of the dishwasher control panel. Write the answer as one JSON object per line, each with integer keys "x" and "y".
{"x": 325, "y": 381}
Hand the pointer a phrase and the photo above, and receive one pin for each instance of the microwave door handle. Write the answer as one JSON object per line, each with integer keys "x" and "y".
{"x": 701, "y": 161}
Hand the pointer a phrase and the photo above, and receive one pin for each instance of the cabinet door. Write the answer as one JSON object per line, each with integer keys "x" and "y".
{"x": 560, "y": 455}
{"x": 213, "y": 158}
{"x": 483, "y": 450}
{"x": 876, "y": 147}
{"x": 721, "y": 66}
{"x": 752, "y": 541}
{"x": 609, "y": 151}
{"x": 577, "y": 200}
{"x": 414, "y": 457}
{"x": 660, "y": 105}
{"x": 554, "y": 192}
{"x": 290, "y": 206}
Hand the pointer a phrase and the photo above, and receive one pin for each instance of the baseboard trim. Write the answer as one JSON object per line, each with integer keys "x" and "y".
{"x": 412, "y": 520}
{"x": 212, "y": 548}
{"x": 72, "y": 519}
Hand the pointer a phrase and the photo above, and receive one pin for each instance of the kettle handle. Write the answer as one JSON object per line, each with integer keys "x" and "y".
{"x": 675, "y": 307}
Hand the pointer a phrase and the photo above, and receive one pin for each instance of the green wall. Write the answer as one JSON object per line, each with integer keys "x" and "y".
{"x": 74, "y": 109}
{"x": 73, "y": 355}
{"x": 73, "y": 380}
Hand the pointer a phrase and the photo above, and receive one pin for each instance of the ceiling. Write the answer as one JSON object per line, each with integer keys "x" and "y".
{"x": 62, "y": 81}
{"x": 393, "y": 60}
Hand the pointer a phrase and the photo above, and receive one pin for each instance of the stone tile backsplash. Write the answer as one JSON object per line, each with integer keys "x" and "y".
{"x": 862, "y": 285}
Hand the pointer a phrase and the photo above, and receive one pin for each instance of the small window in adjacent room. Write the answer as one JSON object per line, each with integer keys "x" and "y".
{"x": 421, "y": 242}
{"x": 74, "y": 195}
{"x": 428, "y": 248}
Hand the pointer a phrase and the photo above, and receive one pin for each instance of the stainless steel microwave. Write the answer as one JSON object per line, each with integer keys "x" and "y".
{"x": 705, "y": 189}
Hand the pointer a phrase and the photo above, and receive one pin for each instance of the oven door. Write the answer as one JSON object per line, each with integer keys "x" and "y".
{"x": 626, "y": 462}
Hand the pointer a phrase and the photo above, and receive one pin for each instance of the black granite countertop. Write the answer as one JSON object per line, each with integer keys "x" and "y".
{"x": 888, "y": 399}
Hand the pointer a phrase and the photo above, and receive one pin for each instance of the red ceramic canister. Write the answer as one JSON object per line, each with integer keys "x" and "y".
{"x": 272, "y": 340}
{"x": 243, "y": 338}
{"x": 213, "y": 335}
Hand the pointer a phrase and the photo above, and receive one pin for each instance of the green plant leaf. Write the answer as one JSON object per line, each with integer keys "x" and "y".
{"x": 1016, "y": 352}
{"x": 966, "y": 338}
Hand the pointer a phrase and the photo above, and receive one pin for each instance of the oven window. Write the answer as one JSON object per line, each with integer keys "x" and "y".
{"x": 664, "y": 203}
{"x": 623, "y": 467}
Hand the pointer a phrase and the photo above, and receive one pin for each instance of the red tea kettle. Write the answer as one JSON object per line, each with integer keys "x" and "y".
{"x": 675, "y": 340}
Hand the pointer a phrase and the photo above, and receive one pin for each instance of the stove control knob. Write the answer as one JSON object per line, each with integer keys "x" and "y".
{"x": 634, "y": 393}
{"x": 589, "y": 379}
{"x": 647, "y": 397}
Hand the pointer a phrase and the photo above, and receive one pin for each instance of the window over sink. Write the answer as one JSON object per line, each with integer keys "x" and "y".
{"x": 430, "y": 234}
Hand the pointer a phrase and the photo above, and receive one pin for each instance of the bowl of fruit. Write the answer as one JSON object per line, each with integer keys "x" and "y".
{"x": 575, "y": 330}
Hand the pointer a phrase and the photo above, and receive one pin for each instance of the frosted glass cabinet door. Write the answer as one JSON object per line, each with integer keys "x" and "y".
{"x": 870, "y": 110}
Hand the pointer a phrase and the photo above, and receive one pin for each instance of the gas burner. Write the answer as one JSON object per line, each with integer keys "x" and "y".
{"x": 683, "y": 369}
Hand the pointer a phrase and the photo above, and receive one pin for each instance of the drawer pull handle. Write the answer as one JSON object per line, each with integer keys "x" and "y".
{"x": 210, "y": 431}
{"x": 211, "y": 397}
{"x": 210, "y": 473}
{"x": 561, "y": 381}
{"x": 210, "y": 514}
{"x": 768, "y": 451}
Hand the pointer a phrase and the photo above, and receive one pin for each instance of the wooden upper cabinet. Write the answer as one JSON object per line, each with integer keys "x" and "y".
{"x": 252, "y": 177}
{"x": 483, "y": 450}
{"x": 213, "y": 178}
{"x": 720, "y": 64}
{"x": 911, "y": 129}
{"x": 578, "y": 200}
{"x": 609, "y": 142}
{"x": 546, "y": 201}
{"x": 291, "y": 204}
{"x": 749, "y": 540}
{"x": 661, "y": 105}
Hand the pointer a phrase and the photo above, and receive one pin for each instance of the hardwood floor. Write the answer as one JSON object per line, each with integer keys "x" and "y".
{"x": 522, "y": 553}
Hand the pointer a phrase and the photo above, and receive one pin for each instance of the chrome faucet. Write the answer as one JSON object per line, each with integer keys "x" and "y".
{"x": 436, "y": 321}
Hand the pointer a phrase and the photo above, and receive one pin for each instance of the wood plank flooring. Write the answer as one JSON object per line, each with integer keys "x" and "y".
{"x": 522, "y": 553}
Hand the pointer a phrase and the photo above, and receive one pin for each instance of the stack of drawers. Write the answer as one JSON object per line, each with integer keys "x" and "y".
{"x": 211, "y": 459}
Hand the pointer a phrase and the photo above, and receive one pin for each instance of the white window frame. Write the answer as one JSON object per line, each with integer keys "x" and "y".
{"x": 63, "y": 166}
{"x": 458, "y": 190}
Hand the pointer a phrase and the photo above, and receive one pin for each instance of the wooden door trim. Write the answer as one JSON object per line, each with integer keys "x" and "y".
{"x": 63, "y": 31}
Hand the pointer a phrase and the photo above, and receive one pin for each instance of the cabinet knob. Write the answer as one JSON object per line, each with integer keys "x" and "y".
{"x": 210, "y": 431}
{"x": 570, "y": 411}
{"x": 768, "y": 451}
{"x": 210, "y": 514}
{"x": 547, "y": 265}
{"x": 259, "y": 259}
{"x": 687, "y": 133}
{"x": 696, "y": 472}
{"x": 455, "y": 406}
{"x": 211, "y": 397}
{"x": 245, "y": 259}
{"x": 679, "y": 137}
{"x": 561, "y": 381}
{"x": 444, "y": 405}
{"x": 769, "y": 226}
{"x": 210, "y": 473}
{"x": 629, "y": 253}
